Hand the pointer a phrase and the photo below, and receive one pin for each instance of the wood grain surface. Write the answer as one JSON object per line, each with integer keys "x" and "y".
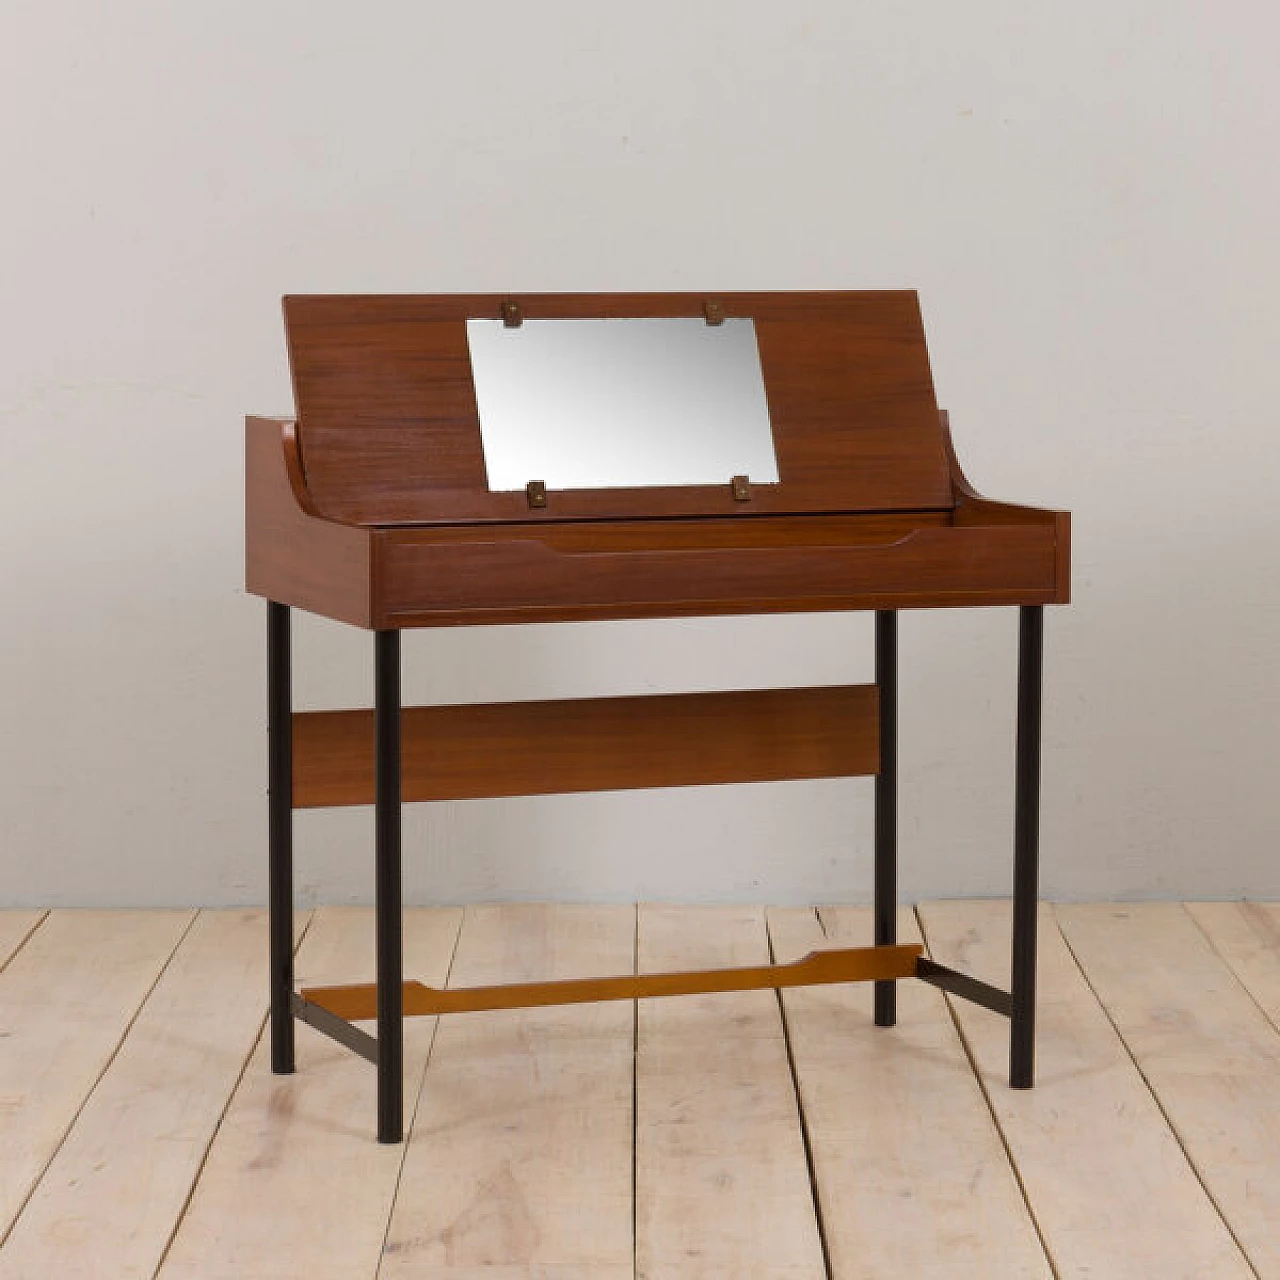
{"x": 468, "y": 751}
{"x": 167, "y": 1089}
{"x": 1112, "y": 1192}
{"x": 524, "y": 1142}
{"x": 1204, "y": 1046}
{"x": 519, "y": 1160}
{"x": 722, "y": 1182}
{"x": 67, "y": 999}
{"x": 909, "y": 1170}
{"x": 391, "y": 433}
{"x": 296, "y": 1184}
{"x": 858, "y": 964}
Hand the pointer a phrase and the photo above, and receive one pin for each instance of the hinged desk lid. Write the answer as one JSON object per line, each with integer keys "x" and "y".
{"x": 390, "y": 430}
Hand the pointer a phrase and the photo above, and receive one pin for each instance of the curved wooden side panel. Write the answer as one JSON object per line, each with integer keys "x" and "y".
{"x": 293, "y": 556}
{"x": 971, "y": 508}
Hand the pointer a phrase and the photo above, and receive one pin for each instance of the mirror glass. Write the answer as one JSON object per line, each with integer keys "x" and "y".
{"x": 602, "y": 404}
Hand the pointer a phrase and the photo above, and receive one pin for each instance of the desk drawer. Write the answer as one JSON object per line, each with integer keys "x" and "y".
{"x": 423, "y": 581}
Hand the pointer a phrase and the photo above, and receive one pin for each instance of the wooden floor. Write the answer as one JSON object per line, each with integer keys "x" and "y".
{"x": 722, "y": 1137}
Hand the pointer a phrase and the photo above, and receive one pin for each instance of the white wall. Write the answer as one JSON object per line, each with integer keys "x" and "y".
{"x": 1085, "y": 196}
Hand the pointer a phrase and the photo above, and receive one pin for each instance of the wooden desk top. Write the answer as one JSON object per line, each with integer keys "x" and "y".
{"x": 372, "y": 506}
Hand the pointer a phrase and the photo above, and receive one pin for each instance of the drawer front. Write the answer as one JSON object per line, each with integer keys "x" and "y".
{"x": 425, "y": 583}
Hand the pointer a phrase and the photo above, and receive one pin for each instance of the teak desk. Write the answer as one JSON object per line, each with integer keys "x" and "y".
{"x": 372, "y": 507}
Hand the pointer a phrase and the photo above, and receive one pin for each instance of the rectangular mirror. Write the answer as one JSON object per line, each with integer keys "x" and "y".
{"x": 604, "y": 404}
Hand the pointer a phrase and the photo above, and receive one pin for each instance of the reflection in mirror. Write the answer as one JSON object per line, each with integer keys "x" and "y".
{"x": 602, "y": 404}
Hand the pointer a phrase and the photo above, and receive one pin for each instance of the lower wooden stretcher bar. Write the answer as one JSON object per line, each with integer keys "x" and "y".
{"x": 857, "y": 964}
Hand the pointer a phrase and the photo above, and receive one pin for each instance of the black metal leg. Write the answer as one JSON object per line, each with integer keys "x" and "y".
{"x": 1026, "y": 871}
{"x": 886, "y": 865}
{"x": 387, "y": 888}
{"x": 280, "y": 837}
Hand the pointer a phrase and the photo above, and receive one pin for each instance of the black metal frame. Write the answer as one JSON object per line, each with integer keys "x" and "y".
{"x": 387, "y": 914}
{"x": 387, "y": 1051}
{"x": 1019, "y": 1003}
{"x": 886, "y": 856}
{"x": 963, "y": 985}
{"x": 347, "y": 1033}
{"x": 1026, "y": 847}
{"x": 280, "y": 824}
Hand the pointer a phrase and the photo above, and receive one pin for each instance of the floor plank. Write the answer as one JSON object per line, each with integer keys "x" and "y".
{"x": 1205, "y": 1047}
{"x": 66, "y": 1000}
{"x": 15, "y": 928}
{"x": 1247, "y": 936}
{"x": 142, "y": 1135}
{"x": 296, "y": 1183}
{"x": 722, "y": 1182}
{"x": 1108, "y": 1183}
{"x": 520, "y": 1160}
{"x": 911, "y": 1172}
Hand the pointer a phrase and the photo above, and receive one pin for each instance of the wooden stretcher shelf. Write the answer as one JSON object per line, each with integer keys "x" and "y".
{"x": 853, "y": 964}
{"x": 474, "y": 751}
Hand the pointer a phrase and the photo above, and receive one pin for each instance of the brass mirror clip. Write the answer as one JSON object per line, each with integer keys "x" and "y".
{"x": 741, "y": 489}
{"x": 714, "y": 312}
{"x": 511, "y": 317}
{"x": 536, "y": 492}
